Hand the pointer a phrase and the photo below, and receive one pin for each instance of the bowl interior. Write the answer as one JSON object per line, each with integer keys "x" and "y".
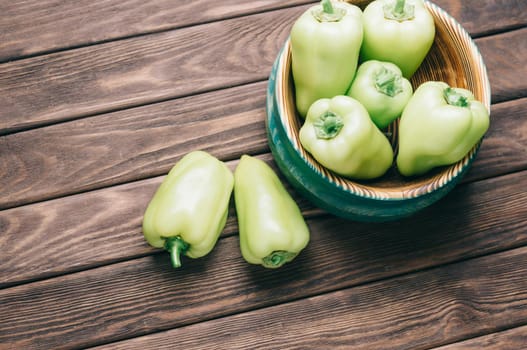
{"x": 453, "y": 58}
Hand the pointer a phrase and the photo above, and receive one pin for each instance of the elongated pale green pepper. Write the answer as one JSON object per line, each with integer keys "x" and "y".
{"x": 272, "y": 228}
{"x": 189, "y": 209}
{"x": 325, "y": 47}
{"x": 439, "y": 126}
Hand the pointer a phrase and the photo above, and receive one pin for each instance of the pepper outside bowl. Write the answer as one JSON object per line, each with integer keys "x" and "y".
{"x": 453, "y": 58}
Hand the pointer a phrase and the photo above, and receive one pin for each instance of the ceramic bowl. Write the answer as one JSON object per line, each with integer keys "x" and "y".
{"x": 453, "y": 58}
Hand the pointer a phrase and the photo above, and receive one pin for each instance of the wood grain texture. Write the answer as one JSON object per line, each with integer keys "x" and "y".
{"x": 125, "y": 73}
{"x": 141, "y": 70}
{"x": 502, "y": 58}
{"x": 101, "y": 99}
{"x": 117, "y": 211}
{"x": 408, "y": 312}
{"x": 129, "y": 145}
{"x": 137, "y": 143}
{"x": 34, "y": 168}
{"x": 90, "y": 219}
{"x": 55, "y": 25}
{"x": 511, "y": 339}
{"x": 146, "y": 294}
{"x": 485, "y": 17}
{"x": 504, "y": 147}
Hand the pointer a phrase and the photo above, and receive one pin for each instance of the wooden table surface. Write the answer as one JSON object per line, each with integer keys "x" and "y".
{"x": 99, "y": 98}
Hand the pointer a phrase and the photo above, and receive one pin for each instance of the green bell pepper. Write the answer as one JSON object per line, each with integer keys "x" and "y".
{"x": 439, "y": 126}
{"x": 398, "y": 31}
{"x": 189, "y": 209}
{"x": 340, "y": 135}
{"x": 325, "y": 46}
{"x": 272, "y": 228}
{"x": 382, "y": 89}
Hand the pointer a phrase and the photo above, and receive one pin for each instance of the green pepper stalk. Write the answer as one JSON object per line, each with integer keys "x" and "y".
{"x": 328, "y": 13}
{"x": 398, "y": 31}
{"x": 272, "y": 228}
{"x": 189, "y": 209}
{"x": 438, "y": 127}
{"x": 399, "y": 10}
{"x": 340, "y": 135}
{"x": 382, "y": 89}
{"x": 176, "y": 246}
{"x": 325, "y": 47}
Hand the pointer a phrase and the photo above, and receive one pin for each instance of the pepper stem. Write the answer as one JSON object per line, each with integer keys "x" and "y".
{"x": 399, "y": 10}
{"x": 176, "y": 246}
{"x": 327, "y": 6}
{"x": 326, "y": 12}
{"x": 328, "y": 125}
{"x": 388, "y": 82}
{"x": 278, "y": 258}
{"x": 399, "y": 7}
{"x": 454, "y": 98}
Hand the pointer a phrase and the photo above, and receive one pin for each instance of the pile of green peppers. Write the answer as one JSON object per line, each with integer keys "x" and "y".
{"x": 189, "y": 210}
{"x": 350, "y": 70}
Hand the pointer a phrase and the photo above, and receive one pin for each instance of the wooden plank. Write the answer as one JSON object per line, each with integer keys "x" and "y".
{"x": 502, "y": 151}
{"x": 486, "y": 17}
{"x": 130, "y": 145}
{"x": 476, "y": 219}
{"x": 146, "y": 69}
{"x": 86, "y": 141}
{"x": 141, "y": 70}
{"x": 505, "y": 59}
{"x": 92, "y": 217}
{"x": 510, "y": 339}
{"x": 505, "y": 144}
{"x": 408, "y": 312}
{"x": 138, "y": 143}
{"x": 104, "y": 20}
{"x": 35, "y": 27}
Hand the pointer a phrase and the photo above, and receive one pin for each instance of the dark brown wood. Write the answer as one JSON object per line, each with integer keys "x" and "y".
{"x": 150, "y": 139}
{"x": 447, "y": 304}
{"x": 485, "y": 17}
{"x": 408, "y": 312}
{"x": 68, "y": 223}
{"x": 475, "y": 220}
{"x": 147, "y": 69}
{"x": 510, "y": 339}
{"x": 55, "y": 25}
{"x": 148, "y": 142}
{"x": 502, "y": 58}
{"x": 100, "y": 98}
{"x": 117, "y": 212}
{"x": 141, "y": 70}
{"x": 505, "y": 145}
{"x": 33, "y": 27}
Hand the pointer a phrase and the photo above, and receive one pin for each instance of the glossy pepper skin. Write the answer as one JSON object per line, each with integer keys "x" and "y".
{"x": 382, "y": 89}
{"x": 325, "y": 46}
{"x": 189, "y": 209}
{"x": 272, "y": 228}
{"x": 439, "y": 126}
{"x": 398, "y": 31}
{"x": 340, "y": 135}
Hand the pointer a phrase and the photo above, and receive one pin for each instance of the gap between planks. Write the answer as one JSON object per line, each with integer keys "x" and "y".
{"x": 97, "y": 103}
{"x": 421, "y": 259}
{"x": 216, "y": 325}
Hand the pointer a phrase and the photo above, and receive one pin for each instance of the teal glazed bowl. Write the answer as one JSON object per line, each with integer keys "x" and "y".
{"x": 453, "y": 58}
